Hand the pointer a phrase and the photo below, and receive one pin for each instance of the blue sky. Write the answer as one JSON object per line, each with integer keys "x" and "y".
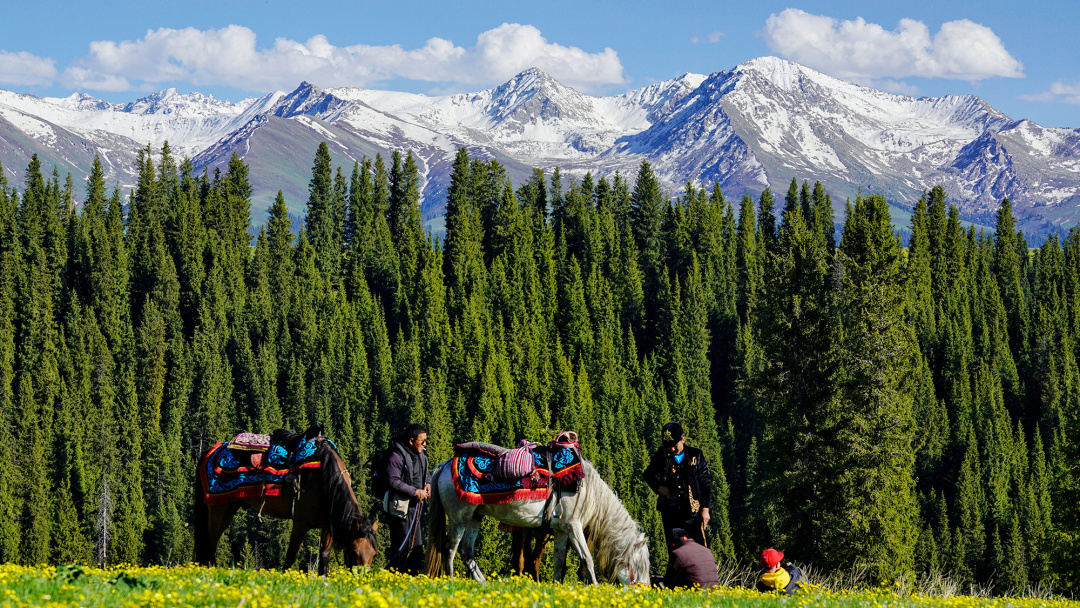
{"x": 1022, "y": 58}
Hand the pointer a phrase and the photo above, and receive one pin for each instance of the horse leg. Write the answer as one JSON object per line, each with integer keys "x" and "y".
{"x": 583, "y": 568}
{"x": 559, "y": 564}
{"x": 457, "y": 530}
{"x": 577, "y": 538}
{"x": 468, "y": 544}
{"x": 217, "y": 521}
{"x": 296, "y": 537}
{"x": 519, "y": 546}
{"x": 326, "y": 551}
{"x": 540, "y": 537}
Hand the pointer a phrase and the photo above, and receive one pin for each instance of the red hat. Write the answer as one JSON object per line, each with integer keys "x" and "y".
{"x": 770, "y": 557}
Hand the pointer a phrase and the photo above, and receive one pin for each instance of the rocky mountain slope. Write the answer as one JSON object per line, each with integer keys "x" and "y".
{"x": 757, "y": 125}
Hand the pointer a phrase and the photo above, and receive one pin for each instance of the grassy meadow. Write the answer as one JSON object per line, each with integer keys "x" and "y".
{"x": 74, "y": 586}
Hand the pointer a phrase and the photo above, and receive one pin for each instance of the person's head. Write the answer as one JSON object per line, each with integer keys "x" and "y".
{"x": 678, "y": 537}
{"x": 415, "y": 436}
{"x": 770, "y": 558}
{"x": 672, "y": 437}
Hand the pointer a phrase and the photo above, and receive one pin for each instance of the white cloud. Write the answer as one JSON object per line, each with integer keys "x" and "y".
{"x": 230, "y": 57}
{"x": 26, "y": 69}
{"x": 863, "y": 51}
{"x": 82, "y": 78}
{"x": 1059, "y": 91}
{"x": 712, "y": 38}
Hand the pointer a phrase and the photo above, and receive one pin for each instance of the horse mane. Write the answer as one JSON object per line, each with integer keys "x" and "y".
{"x": 608, "y": 521}
{"x": 345, "y": 511}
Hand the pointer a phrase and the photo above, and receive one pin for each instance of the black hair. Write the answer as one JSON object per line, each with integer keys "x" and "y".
{"x": 677, "y": 535}
{"x": 413, "y": 431}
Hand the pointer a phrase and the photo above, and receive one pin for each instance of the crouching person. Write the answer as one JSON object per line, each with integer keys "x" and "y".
{"x": 691, "y": 563}
{"x": 786, "y": 578}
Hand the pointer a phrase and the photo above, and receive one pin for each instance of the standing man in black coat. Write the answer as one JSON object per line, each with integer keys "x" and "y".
{"x": 409, "y": 481}
{"x": 680, "y": 477}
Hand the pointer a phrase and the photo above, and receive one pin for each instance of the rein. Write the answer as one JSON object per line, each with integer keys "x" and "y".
{"x": 409, "y": 535}
{"x": 630, "y": 562}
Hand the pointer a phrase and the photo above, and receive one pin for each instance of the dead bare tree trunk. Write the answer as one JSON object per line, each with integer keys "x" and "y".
{"x": 104, "y": 521}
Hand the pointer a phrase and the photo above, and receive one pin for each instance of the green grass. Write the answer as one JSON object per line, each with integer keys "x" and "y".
{"x": 192, "y": 586}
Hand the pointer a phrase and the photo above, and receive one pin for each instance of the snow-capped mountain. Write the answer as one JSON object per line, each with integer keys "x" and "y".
{"x": 757, "y": 125}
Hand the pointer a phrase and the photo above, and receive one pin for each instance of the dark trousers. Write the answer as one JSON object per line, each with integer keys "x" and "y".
{"x": 411, "y": 558}
{"x": 674, "y": 516}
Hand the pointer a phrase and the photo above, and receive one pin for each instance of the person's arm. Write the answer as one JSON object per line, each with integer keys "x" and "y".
{"x": 395, "y": 475}
{"x": 652, "y": 472}
{"x": 704, "y": 482}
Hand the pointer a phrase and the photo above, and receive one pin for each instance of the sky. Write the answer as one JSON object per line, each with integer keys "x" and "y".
{"x": 1021, "y": 58}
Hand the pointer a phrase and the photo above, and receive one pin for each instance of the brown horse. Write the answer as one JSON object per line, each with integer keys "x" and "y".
{"x": 527, "y": 547}
{"x": 324, "y": 500}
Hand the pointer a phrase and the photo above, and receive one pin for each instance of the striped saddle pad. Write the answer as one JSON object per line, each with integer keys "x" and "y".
{"x": 518, "y": 462}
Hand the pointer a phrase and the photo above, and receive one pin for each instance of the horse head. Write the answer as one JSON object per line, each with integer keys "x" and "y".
{"x": 359, "y": 546}
{"x": 362, "y": 546}
{"x": 636, "y": 568}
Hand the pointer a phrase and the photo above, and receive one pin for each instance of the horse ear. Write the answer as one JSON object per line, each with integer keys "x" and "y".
{"x": 374, "y": 525}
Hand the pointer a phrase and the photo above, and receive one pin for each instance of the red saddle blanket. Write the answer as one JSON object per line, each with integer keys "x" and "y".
{"x": 229, "y": 472}
{"x": 478, "y": 481}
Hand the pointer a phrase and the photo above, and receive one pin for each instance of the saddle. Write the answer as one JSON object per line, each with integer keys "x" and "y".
{"x": 484, "y": 473}
{"x": 252, "y": 465}
{"x": 518, "y": 462}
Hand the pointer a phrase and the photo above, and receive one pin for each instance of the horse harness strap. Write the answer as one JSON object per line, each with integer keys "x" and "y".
{"x": 295, "y": 494}
{"x": 553, "y": 497}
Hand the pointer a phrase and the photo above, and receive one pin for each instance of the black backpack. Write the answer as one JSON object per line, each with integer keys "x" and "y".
{"x": 380, "y": 481}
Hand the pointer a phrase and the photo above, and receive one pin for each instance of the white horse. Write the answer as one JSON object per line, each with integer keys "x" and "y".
{"x": 622, "y": 549}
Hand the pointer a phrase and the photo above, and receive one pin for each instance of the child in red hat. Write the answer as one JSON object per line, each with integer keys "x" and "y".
{"x": 777, "y": 577}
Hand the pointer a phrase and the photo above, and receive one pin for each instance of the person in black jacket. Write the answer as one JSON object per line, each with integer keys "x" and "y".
{"x": 680, "y": 477}
{"x": 409, "y": 481}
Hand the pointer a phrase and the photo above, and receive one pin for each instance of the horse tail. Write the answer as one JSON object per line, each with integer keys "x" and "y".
{"x": 200, "y": 530}
{"x": 436, "y": 549}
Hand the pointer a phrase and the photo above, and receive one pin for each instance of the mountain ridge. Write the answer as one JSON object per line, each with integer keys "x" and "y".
{"x": 759, "y": 124}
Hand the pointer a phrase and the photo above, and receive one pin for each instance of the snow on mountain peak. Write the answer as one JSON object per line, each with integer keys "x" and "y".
{"x": 534, "y": 95}
{"x": 83, "y": 101}
{"x": 171, "y": 102}
{"x": 530, "y": 77}
{"x": 781, "y": 72}
{"x": 659, "y": 98}
{"x": 758, "y": 124}
{"x": 310, "y": 100}
{"x": 526, "y": 84}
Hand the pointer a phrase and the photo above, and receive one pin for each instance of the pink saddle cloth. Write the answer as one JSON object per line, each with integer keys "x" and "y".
{"x": 251, "y": 442}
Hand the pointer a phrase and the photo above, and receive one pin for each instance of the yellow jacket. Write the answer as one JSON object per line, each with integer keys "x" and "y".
{"x": 775, "y": 580}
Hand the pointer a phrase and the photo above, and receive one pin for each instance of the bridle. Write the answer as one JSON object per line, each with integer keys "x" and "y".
{"x": 630, "y": 562}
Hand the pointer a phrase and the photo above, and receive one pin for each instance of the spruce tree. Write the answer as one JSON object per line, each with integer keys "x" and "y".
{"x": 646, "y": 206}
{"x": 10, "y": 502}
{"x": 322, "y": 231}
{"x": 873, "y": 409}
{"x": 795, "y": 390}
{"x": 767, "y": 221}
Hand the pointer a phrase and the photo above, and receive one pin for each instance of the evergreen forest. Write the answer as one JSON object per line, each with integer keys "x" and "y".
{"x": 905, "y": 410}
